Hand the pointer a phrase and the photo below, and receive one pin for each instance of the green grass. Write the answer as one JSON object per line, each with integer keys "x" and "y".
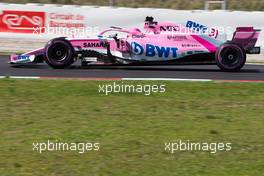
{"x": 170, "y": 4}
{"x": 131, "y": 128}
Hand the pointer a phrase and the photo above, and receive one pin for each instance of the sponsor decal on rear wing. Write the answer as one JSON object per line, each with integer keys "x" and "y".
{"x": 247, "y": 37}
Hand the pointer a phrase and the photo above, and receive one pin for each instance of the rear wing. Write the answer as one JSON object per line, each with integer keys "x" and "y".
{"x": 247, "y": 37}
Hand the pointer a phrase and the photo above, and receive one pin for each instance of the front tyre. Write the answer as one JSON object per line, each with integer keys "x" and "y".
{"x": 230, "y": 57}
{"x": 59, "y": 53}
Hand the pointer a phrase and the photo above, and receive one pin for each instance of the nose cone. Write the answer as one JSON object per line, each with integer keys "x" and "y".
{"x": 13, "y": 58}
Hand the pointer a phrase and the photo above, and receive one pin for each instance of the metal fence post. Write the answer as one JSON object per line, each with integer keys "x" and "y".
{"x": 222, "y": 2}
{"x": 111, "y": 3}
{"x": 226, "y": 5}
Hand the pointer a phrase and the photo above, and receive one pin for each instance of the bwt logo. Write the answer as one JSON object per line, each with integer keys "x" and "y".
{"x": 212, "y": 32}
{"x": 152, "y": 50}
{"x": 195, "y": 26}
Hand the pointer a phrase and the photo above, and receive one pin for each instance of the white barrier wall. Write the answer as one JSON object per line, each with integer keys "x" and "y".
{"x": 17, "y": 20}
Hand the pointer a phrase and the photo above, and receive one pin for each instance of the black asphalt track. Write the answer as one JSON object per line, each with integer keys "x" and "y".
{"x": 249, "y": 72}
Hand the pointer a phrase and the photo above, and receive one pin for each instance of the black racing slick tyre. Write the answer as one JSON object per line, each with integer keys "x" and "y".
{"x": 230, "y": 57}
{"x": 59, "y": 53}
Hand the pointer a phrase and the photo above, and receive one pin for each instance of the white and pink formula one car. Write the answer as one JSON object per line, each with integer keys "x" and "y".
{"x": 162, "y": 43}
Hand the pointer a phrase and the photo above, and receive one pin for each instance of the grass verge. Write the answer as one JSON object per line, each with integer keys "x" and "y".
{"x": 131, "y": 128}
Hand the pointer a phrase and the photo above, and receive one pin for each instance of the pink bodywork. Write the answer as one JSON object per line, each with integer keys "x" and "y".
{"x": 246, "y": 36}
{"x": 175, "y": 43}
{"x": 161, "y": 41}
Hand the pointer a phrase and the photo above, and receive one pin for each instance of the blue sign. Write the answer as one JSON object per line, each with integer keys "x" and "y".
{"x": 196, "y": 26}
{"x": 22, "y": 58}
{"x": 152, "y": 50}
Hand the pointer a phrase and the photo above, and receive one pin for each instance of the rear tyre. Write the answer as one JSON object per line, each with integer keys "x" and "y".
{"x": 59, "y": 53}
{"x": 230, "y": 57}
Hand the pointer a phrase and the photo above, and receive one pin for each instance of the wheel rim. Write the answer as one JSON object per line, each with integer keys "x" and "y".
{"x": 58, "y": 52}
{"x": 231, "y": 56}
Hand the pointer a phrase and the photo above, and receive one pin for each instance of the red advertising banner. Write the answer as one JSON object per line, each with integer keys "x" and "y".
{"x": 22, "y": 21}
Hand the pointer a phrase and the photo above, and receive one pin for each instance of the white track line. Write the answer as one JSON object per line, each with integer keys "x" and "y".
{"x": 134, "y": 79}
{"x": 252, "y": 63}
{"x": 125, "y": 79}
{"x": 165, "y": 79}
{"x": 20, "y": 77}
